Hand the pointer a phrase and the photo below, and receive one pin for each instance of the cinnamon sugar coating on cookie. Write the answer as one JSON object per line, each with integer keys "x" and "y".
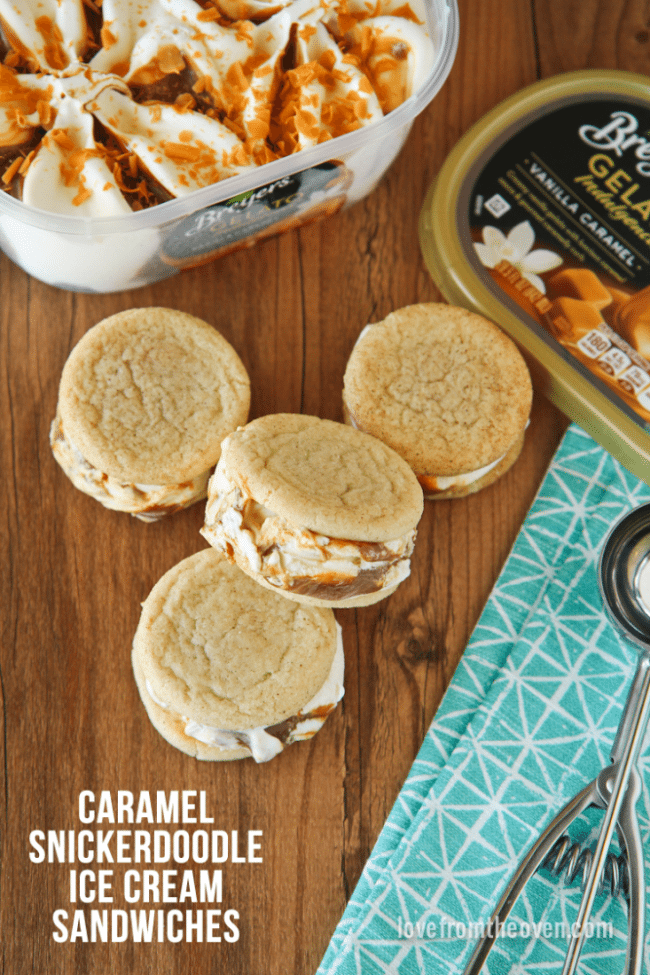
{"x": 148, "y": 394}
{"x": 324, "y": 476}
{"x": 227, "y": 670}
{"x": 222, "y": 650}
{"x": 444, "y": 387}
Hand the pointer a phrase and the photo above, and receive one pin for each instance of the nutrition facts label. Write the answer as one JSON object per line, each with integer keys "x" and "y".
{"x": 559, "y": 220}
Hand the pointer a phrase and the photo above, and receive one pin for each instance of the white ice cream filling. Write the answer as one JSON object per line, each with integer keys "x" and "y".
{"x": 147, "y": 502}
{"x": 262, "y": 745}
{"x": 439, "y": 483}
{"x": 282, "y": 553}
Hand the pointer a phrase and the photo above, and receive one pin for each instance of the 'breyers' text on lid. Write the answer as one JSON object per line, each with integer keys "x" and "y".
{"x": 559, "y": 220}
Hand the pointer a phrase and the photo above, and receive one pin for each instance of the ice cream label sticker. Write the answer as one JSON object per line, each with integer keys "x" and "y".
{"x": 559, "y": 221}
{"x": 243, "y": 220}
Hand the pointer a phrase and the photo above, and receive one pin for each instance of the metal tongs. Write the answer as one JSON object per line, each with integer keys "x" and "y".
{"x": 624, "y": 568}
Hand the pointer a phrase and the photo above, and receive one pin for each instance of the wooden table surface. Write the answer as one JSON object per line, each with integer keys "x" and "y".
{"x": 74, "y": 574}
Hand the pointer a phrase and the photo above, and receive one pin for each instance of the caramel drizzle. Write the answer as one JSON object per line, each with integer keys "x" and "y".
{"x": 277, "y": 130}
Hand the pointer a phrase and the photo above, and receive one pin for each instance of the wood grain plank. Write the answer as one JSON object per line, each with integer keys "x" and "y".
{"x": 602, "y": 34}
{"x": 74, "y": 575}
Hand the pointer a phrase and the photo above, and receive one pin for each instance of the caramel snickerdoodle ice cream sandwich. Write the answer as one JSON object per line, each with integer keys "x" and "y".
{"x": 446, "y": 389}
{"x": 227, "y": 670}
{"x": 319, "y": 512}
{"x": 145, "y": 399}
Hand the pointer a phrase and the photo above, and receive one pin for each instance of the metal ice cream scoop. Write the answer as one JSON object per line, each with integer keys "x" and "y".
{"x": 624, "y": 580}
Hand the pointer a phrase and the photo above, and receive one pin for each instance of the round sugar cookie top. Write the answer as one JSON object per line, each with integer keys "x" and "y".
{"x": 324, "y": 476}
{"x": 444, "y": 387}
{"x": 148, "y": 395}
{"x": 216, "y": 647}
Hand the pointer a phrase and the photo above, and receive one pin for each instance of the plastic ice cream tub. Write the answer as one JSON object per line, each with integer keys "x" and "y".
{"x": 105, "y": 254}
{"x": 540, "y": 220}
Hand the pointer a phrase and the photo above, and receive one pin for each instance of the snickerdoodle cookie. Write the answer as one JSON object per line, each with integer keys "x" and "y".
{"x": 315, "y": 510}
{"x": 446, "y": 389}
{"x": 228, "y": 670}
{"x": 145, "y": 399}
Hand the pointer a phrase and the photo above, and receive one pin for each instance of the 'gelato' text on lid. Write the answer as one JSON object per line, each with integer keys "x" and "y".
{"x": 540, "y": 220}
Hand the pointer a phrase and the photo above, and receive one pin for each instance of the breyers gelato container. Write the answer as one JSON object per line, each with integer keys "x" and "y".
{"x": 50, "y": 226}
{"x": 540, "y": 220}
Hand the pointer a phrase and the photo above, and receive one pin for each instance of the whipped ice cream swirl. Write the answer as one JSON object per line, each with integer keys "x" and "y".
{"x": 114, "y": 107}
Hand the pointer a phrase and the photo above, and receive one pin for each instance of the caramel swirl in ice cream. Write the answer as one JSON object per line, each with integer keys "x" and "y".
{"x": 113, "y": 107}
{"x": 295, "y": 558}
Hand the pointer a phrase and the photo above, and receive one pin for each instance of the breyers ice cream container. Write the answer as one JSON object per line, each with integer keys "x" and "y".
{"x": 540, "y": 220}
{"x": 146, "y": 156}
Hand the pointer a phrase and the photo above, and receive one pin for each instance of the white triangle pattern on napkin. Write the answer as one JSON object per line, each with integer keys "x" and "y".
{"x": 528, "y": 719}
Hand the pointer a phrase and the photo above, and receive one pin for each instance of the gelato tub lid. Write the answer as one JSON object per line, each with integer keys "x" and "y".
{"x": 540, "y": 220}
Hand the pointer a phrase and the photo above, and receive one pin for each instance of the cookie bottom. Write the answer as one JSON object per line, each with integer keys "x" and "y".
{"x": 172, "y": 728}
{"x": 363, "y": 599}
{"x": 462, "y": 490}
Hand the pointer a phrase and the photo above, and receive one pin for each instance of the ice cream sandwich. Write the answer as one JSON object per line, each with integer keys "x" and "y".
{"x": 227, "y": 670}
{"x": 446, "y": 389}
{"x": 315, "y": 510}
{"x": 145, "y": 399}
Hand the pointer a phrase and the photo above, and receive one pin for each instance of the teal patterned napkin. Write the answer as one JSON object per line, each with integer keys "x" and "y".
{"x": 527, "y": 721}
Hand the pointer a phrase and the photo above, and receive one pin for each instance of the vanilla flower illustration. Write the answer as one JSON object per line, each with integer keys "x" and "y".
{"x": 516, "y": 248}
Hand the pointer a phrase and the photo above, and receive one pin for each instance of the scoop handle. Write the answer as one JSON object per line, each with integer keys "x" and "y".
{"x": 625, "y": 752}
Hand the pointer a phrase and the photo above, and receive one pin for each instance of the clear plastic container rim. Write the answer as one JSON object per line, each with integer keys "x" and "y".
{"x": 442, "y": 23}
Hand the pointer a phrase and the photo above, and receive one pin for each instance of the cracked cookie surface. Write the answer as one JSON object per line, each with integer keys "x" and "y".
{"x": 217, "y": 648}
{"x": 324, "y": 476}
{"x": 444, "y": 387}
{"x": 148, "y": 394}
